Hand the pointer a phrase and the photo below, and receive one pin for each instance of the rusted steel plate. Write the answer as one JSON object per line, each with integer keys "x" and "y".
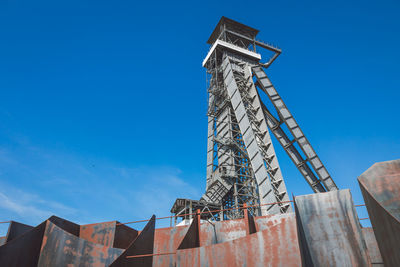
{"x": 275, "y": 246}
{"x": 330, "y": 233}
{"x": 23, "y": 250}
{"x": 124, "y": 236}
{"x": 265, "y": 222}
{"x": 60, "y": 248}
{"x": 192, "y": 257}
{"x": 66, "y": 225}
{"x": 222, "y": 231}
{"x": 372, "y": 246}
{"x": 380, "y": 186}
{"x": 2, "y": 240}
{"x": 111, "y": 234}
{"x": 99, "y": 233}
{"x": 192, "y": 236}
{"x": 15, "y": 229}
{"x": 167, "y": 240}
{"x": 142, "y": 245}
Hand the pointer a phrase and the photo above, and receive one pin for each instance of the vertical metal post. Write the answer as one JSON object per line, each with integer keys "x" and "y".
{"x": 235, "y": 194}
{"x": 199, "y": 225}
{"x": 246, "y": 218}
{"x": 190, "y": 210}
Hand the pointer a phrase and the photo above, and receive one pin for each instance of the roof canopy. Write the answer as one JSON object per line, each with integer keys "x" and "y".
{"x": 232, "y": 26}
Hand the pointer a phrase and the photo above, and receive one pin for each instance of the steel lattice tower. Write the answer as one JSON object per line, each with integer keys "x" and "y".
{"x": 242, "y": 166}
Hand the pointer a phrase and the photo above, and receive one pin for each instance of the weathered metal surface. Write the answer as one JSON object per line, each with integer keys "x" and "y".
{"x": 15, "y": 229}
{"x": 167, "y": 240}
{"x": 61, "y": 248}
{"x": 330, "y": 233}
{"x": 99, "y": 233}
{"x": 124, "y": 235}
{"x": 372, "y": 246}
{"x": 265, "y": 222}
{"x": 66, "y": 225}
{"x": 222, "y": 231}
{"x": 111, "y": 234}
{"x": 23, "y": 250}
{"x": 380, "y": 186}
{"x": 274, "y": 246}
{"x": 2, "y": 240}
{"x": 142, "y": 245}
{"x": 192, "y": 236}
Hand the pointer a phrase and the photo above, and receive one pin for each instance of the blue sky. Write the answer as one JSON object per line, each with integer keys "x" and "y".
{"x": 103, "y": 103}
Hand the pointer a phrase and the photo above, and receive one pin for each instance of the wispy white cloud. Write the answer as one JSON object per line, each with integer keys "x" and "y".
{"x": 30, "y": 206}
{"x": 36, "y": 183}
{"x": 21, "y": 208}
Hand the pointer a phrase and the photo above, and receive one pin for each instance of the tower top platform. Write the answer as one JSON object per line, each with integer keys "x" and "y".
{"x": 231, "y": 25}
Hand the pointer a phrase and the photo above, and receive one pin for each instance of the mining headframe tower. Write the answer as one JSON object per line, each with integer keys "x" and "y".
{"x": 242, "y": 166}
{"x": 245, "y": 217}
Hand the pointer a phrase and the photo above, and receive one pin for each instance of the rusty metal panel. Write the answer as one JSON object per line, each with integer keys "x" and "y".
{"x": 372, "y": 246}
{"x": 191, "y": 257}
{"x": 110, "y": 234}
{"x": 265, "y": 222}
{"x": 208, "y": 233}
{"x": 61, "y": 248}
{"x": 329, "y": 230}
{"x": 230, "y": 230}
{"x": 15, "y": 229}
{"x": 222, "y": 231}
{"x": 124, "y": 236}
{"x": 2, "y": 240}
{"x": 66, "y": 225}
{"x": 192, "y": 236}
{"x": 380, "y": 186}
{"x": 142, "y": 245}
{"x": 167, "y": 240}
{"x": 23, "y": 250}
{"x": 274, "y": 246}
{"x": 99, "y": 233}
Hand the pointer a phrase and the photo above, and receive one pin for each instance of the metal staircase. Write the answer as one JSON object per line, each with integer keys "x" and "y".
{"x": 323, "y": 181}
